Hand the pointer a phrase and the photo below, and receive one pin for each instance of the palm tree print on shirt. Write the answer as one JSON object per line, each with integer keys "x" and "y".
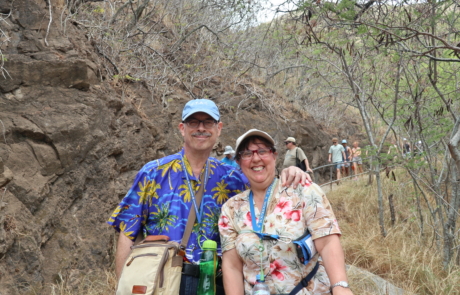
{"x": 211, "y": 220}
{"x": 185, "y": 192}
{"x": 161, "y": 219}
{"x": 148, "y": 190}
{"x": 221, "y": 192}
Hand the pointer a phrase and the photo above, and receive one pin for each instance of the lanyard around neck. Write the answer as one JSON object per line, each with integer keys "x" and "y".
{"x": 257, "y": 226}
{"x": 192, "y": 193}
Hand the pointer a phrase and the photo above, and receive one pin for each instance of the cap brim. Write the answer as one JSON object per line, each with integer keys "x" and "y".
{"x": 253, "y": 132}
{"x": 214, "y": 116}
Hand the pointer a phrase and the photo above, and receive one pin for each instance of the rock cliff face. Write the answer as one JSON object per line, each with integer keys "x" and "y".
{"x": 70, "y": 147}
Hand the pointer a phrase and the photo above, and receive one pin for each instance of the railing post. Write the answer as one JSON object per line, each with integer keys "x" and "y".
{"x": 330, "y": 178}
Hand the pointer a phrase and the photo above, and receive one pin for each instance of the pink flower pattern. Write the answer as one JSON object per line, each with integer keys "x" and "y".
{"x": 293, "y": 215}
{"x": 275, "y": 269}
{"x": 283, "y": 205}
{"x": 223, "y": 222}
{"x": 248, "y": 220}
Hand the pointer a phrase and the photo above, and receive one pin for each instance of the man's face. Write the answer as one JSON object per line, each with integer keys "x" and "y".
{"x": 200, "y": 138}
{"x": 334, "y": 142}
{"x": 289, "y": 145}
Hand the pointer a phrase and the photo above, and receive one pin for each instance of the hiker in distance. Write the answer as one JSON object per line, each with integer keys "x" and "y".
{"x": 346, "y": 165}
{"x": 163, "y": 192}
{"x": 259, "y": 228}
{"x": 229, "y": 157}
{"x": 293, "y": 152}
{"x": 336, "y": 156}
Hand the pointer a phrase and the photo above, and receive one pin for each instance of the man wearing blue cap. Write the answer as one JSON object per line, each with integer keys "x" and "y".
{"x": 164, "y": 190}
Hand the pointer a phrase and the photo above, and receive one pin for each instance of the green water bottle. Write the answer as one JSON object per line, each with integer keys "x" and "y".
{"x": 208, "y": 264}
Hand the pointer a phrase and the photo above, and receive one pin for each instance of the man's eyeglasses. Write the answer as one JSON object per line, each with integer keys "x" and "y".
{"x": 195, "y": 123}
{"x": 287, "y": 142}
{"x": 248, "y": 154}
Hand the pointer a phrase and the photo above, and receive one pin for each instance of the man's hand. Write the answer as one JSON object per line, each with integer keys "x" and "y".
{"x": 309, "y": 170}
{"x": 295, "y": 176}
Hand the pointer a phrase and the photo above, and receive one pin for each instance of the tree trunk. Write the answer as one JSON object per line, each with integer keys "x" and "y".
{"x": 454, "y": 205}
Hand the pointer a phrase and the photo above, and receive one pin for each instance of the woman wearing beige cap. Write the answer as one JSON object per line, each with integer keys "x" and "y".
{"x": 260, "y": 230}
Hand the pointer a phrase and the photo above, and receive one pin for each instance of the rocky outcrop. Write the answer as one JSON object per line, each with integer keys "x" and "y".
{"x": 373, "y": 284}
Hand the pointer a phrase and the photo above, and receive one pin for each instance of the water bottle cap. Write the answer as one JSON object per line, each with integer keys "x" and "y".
{"x": 258, "y": 279}
{"x": 210, "y": 244}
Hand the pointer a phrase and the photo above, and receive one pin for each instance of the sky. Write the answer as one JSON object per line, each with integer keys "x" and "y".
{"x": 270, "y": 10}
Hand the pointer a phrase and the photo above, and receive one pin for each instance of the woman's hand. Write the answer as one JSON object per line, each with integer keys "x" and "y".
{"x": 295, "y": 176}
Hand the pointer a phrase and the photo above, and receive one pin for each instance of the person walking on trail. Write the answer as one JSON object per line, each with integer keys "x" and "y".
{"x": 336, "y": 154}
{"x": 163, "y": 193}
{"x": 346, "y": 160}
{"x": 357, "y": 160}
{"x": 229, "y": 158}
{"x": 293, "y": 153}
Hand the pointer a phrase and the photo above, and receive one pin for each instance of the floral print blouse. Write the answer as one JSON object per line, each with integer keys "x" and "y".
{"x": 289, "y": 212}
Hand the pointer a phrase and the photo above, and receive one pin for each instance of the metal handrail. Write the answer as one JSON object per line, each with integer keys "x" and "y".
{"x": 333, "y": 164}
{"x": 343, "y": 178}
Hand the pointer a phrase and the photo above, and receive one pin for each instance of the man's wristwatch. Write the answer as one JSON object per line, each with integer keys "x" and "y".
{"x": 341, "y": 284}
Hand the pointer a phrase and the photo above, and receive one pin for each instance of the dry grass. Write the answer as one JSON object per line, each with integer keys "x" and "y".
{"x": 403, "y": 257}
{"x": 93, "y": 283}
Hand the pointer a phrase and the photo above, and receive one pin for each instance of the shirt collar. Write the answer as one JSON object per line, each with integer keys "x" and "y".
{"x": 187, "y": 165}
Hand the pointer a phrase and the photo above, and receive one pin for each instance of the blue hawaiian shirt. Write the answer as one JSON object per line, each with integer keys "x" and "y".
{"x": 230, "y": 162}
{"x": 159, "y": 201}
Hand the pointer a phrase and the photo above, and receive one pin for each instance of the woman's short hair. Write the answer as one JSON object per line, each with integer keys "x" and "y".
{"x": 251, "y": 139}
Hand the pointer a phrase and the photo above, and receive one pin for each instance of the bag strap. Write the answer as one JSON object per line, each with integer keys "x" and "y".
{"x": 192, "y": 215}
{"x": 297, "y": 160}
{"x": 304, "y": 282}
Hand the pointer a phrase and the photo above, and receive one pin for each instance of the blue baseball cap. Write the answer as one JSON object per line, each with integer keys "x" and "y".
{"x": 201, "y": 105}
{"x": 344, "y": 141}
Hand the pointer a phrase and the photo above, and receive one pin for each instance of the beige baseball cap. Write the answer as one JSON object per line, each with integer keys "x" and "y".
{"x": 291, "y": 139}
{"x": 253, "y": 132}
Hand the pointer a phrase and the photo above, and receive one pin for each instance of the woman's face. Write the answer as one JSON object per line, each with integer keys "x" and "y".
{"x": 259, "y": 170}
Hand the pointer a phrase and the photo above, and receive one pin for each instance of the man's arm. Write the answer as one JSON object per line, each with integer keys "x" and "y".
{"x": 123, "y": 249}
{"x": 329, "y": 158}
{"x": 308, "y": 165}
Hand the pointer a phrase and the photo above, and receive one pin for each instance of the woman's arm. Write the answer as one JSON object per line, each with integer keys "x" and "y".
{"x": 232, "y": 270}
{"x": 331, "y": 251}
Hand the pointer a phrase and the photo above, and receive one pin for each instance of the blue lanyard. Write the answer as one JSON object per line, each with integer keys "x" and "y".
{"x": 192, "y": 193}
{"x": 257, "y": 226}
